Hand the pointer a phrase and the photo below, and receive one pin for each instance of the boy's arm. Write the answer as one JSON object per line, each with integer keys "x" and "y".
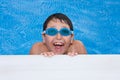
{"x": 77, "y": 47}
{"x": 38, "y": 48}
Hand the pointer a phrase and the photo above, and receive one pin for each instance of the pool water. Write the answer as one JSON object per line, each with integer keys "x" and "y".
{"x": 96, "y": 23}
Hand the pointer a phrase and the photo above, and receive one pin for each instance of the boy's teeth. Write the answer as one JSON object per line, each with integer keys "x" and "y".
{"x": 58, "y": 44}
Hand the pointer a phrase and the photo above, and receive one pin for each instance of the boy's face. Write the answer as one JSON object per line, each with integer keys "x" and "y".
{"x": 58, "y": 44}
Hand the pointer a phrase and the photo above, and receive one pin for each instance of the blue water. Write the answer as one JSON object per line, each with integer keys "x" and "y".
{"x": 96, "y": 23}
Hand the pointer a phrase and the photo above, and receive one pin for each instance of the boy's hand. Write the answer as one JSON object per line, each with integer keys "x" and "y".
{"x": 47, "y": 54}
{"x": 72, "y": 53}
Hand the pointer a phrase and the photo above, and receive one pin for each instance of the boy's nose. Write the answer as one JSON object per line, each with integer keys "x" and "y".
{"x": 58, "y": 36}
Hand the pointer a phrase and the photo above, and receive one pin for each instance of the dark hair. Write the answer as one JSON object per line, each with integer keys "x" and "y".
{"x": 59, "y": 16}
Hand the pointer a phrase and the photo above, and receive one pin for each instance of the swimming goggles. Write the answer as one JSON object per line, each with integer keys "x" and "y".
{"x": 54, "y": 31}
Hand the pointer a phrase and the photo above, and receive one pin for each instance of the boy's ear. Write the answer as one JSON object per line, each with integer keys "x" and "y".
{"x": 43, "y": 37}
{"x": 72, "y": 38}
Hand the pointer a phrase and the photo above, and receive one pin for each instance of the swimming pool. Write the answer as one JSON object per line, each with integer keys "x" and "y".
{"x": 96, "y": 24}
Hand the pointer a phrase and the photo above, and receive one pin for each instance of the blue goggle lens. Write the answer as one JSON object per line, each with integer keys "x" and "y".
{"x": 54, "y": 31}
{"x": 65, "y": 32}
{"x": 51, "y": 31}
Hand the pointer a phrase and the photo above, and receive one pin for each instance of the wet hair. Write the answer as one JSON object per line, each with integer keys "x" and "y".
{"x": 61, "y": 17}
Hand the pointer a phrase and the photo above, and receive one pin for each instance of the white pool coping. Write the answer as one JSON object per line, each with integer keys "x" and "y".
{"x": 60, "y": 67}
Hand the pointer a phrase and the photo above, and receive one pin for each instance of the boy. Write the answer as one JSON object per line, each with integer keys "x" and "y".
{"x": 58, "y": 38}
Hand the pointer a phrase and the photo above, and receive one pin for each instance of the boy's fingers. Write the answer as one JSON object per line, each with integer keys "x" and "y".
{"x": 42, "y": 53}
{"x": 51, "y": 54}
{"x": 76, "y": 53}
{"x": 47, "y": 54}
{"x": 72, "y": 53}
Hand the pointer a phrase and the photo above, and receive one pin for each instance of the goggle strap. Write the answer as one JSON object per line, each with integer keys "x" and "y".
{"x": 72, "y": 32}
{"x": 43, "y": 32}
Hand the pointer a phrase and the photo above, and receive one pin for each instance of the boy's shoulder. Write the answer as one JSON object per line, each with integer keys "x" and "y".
{"x": 37, "y": 47}
{"x": 79, "y": 46}
{"x": 38, "y": 44}
{"x": 77, "y": 42}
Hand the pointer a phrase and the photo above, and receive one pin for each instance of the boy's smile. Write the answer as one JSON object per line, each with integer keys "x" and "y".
{"x": 58, "y": 46}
